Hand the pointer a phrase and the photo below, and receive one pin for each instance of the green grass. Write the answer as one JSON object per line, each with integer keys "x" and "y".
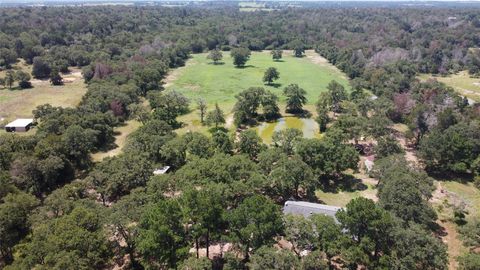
{"x": 342, "y": 198}
{"x": 220, "y": 83}
{"x": 466, "y": 192}
{"x": 461, "y": 82}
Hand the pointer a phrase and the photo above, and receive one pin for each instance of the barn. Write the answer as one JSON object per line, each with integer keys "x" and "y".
{"x": 19, "y": 125}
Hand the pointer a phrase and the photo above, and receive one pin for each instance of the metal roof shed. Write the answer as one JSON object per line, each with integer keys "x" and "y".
{"x": 162, "y": 170}
{"x": 19, "y": 125}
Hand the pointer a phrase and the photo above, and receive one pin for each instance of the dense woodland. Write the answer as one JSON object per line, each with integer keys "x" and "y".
{"x": 59, "y": 210}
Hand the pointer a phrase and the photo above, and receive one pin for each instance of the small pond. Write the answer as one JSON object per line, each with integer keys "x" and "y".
{"x": 308, "y": 126}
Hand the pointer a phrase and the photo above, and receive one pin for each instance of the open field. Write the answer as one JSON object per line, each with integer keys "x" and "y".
{"x": 253, "y": 6}
{"x": 461, "y": 82}
{"x": 220, "y": 83}
{"x": 18, "y": 103}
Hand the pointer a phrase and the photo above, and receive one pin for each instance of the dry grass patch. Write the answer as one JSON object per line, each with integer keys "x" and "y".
{"x": 17, "y": 103}
{"x": 448, "y": 195}
{"x": 461, "y": 82}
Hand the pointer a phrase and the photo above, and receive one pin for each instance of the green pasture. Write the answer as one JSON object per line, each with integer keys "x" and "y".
{"x": 220, "y": 83}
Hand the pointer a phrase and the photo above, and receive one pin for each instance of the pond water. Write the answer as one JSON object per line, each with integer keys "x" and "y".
{"x": 308, "y": 126}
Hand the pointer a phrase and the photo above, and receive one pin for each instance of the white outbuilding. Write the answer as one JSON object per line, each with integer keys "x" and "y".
{"x": 162, "y": 170}
{"x": 19, "y": 125}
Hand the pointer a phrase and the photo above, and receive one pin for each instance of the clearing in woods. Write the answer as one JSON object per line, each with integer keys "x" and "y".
{"x": 451, "y": 194}
{"x": 18, "y": 103}
{"x": 461, "y": 82}
{"x": 220, "y": 83}
{"x": 200, "y": 78}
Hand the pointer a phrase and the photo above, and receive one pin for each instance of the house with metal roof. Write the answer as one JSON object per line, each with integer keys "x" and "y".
{"x": 306, "y": 209}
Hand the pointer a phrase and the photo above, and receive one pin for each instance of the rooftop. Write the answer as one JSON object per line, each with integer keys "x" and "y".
{"x": 162, "y": 170}
{"x": 306, "y": 208}
{"x": 21, "y": 122}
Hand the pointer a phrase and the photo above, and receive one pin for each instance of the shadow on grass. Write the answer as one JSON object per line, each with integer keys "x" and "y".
{"x": 274, "y": 85}
{"x": 108, "y": 146}
{"x": 17, "y": 88}
{"x": 463, "y": 178}
{"x": 215, "y": 129}
{"x": 244, "y": 67}
{"x": 345, "y": 183}
{"x": 301, "y": 114}
{"x": 216, "y": 64}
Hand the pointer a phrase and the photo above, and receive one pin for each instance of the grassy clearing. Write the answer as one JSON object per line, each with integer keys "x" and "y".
{"x": 467, "y": 193}
{"x": 17, "y": 103}
{"x": 461, "y": 82}
{"x": 361, "y": 185}
{"x": 121, "y": 134}
{"x": 220, "y": 83}
{"x": 342, "y": 198}
{"x": 448, "y": 194}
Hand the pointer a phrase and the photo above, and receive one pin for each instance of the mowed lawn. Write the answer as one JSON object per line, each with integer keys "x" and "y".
{"x": 461, "y": 82}
{"x": 220, "y": 83}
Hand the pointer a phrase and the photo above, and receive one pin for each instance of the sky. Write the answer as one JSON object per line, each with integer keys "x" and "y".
{"x": 113, "y": 1}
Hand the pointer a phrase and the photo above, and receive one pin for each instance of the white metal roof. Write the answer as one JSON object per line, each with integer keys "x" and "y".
{"x": 161, "y": 170}
{"x": 306, "y": 208}
{"x": 21, "y": 122}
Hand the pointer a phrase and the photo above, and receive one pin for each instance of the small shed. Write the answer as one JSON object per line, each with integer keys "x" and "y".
{"x": 19, "y": 125}
{"x": 306, "y": 209}
{"x": 162, "y": 170}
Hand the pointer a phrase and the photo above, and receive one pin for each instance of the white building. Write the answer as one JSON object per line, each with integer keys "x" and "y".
{"x": 19, "y": 125}
{"x": 162, "y": 170}
{"x": 307, "y": 209}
